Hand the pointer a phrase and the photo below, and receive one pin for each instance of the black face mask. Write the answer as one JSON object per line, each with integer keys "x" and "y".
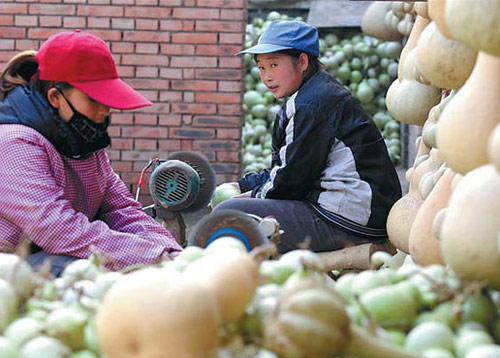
{"x": 82, "y": 136}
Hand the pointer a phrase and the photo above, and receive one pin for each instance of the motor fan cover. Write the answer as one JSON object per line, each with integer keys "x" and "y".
{"x": 174, "y": 185}
{"x": 227, "y": 222}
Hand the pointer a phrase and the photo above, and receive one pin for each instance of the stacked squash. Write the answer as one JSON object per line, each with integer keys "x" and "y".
{"x": 451, "y": 214}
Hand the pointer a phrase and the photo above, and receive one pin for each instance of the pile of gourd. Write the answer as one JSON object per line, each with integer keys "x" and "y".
{"x": 449, "y": 83}
{"x": 223, "y": 302}
{"x": 363, "y": 64}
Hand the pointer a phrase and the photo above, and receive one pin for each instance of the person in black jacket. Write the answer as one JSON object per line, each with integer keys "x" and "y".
{"x": 331, "y": 181}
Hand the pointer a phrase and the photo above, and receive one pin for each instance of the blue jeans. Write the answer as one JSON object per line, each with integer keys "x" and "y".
{"x": 298, "y": 222}
{"x": 58, "y": 262}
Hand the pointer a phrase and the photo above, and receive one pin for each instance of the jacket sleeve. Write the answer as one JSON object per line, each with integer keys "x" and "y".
{"x": 253, "y": 180}
{"x": 301, "y": 158}
{"x": 30, "y": 198}
{"x": 121, "y": 212}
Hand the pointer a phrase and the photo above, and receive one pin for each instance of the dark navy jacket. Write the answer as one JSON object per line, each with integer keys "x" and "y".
{"x": 327, "y": 151}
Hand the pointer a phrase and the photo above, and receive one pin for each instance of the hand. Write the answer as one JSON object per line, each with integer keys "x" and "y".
{"x": 246, "y": 194}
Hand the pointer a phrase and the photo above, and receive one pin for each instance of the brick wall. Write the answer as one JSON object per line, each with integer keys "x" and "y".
{"x": 178, "y": 53}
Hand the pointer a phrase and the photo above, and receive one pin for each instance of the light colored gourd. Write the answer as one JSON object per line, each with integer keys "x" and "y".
{"x": 418, "y": 27}
{"x": 424, "y": 246}
{"x": 494, "y": 147}
{"x": 469, "y": 118}
{"x": 403, "y": 212}
{"x": 437, "y": 13}
{"x": 373, "y": 23}
{"x": 475, "y": 23}
{"x": 443, "y": 62}
{"x": 422, "y": 9}
{"x": 469, "y": 231}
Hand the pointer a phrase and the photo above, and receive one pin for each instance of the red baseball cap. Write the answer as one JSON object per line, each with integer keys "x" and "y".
{"x": 84, "y": 61}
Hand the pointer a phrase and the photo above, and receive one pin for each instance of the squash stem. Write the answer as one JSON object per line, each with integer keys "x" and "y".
{"x": 364, "y": 345}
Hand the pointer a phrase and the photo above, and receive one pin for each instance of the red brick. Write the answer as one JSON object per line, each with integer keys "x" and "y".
{"x": 194, "y": 108}
{"x": 145, "y": 144}
{"x": 146, "y": 2}
{"x": 122, "y": 118}
{"x": 194, "y": 38}
{"x": 188, "y": 25}
{"x": 220, "y": 26}
{"x": 226, "y": 177}
{"x": 228, "y": 133}
{"x": 171, "y": 25}
{"x": 114, "y": 154}
{"x": 12, "y": 32}
{"x": 194, "y": 13}
{"x": 217, "y": 121}
{"x": 98, "y": 22}
{"x": 230, "y": 86}
{"x": 99, "y": 2}
{"x": 169, "y": 96}
{"x": 191, "y": 133}
{"x": 6, "y": 56}
{"x": 144, "y": 132}
{"x": 187, "y": 119}
{"x": 146, "y": 24}
{"x": 188, "y": 96}
{"x": 114, "y": 131}
{"x": 146, "y": 119}
{"x": 7, "y": 45}
{"x": 74, "y": 22}
{"x": 230, "y": 62}
{"x": 147, "y": 12}
{"x": 125, "y": 71}
{"x": 144, "y": 155}
{"x": 146, "y": 60}
{"x": 192, "y": 61}
{"x": 218, "y": 74}
{"x": 147, "y": 72}
{"x": 51, "y": 9}
{"x": 106, "y": 35}
{"x": 175, "y": 2}
{"x": 216, "y": 97}
{"x": 188, "y": 73}
{"x": 122, "y": 2}
{"x": 51, "y": 21}
{"x": 125, "y": 24}
{"x": 138, "y": 167}
{"x": 146, "y": 36}
{"x": 239, "y": 4}
{"x": 217, "y": 50}
{"x": 233, "y": 14}
{"x": 6, "y": 20}
{"x": 122, "y": 47}
{"x": 122, "y": 143}
{"x": 25, "y": 20}
{"x": 171, "y": 73}
{"x": 187, "y": 145}
{"x": 22, "y": 45}
{"x": 119, "y": 166}
{"x": 177, "y": 49}
{"x": 146, "y": 83}
{"x": 231, "y": 38}
{"x": 230, "y": 109}
{"x": 216, "y": 145}
{"x": 233, "y": 156}
{"x": 100, "y": 11}
{"x": 67, "y": 1}
{"x": 169, "y": 144}
{"x": 151, "y": 95}
{"x": 170, "y": 120}
{"x": 159, "y": 108}
{"x": 194, "y": 85}
{"x": 150, "y": 48}
{"x": 14, "y": 9}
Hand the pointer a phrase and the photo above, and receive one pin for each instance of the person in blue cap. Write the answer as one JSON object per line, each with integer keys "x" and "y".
{"x": 332, "y": 182}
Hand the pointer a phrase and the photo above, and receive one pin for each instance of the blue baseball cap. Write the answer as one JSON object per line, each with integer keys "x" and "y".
{"x": 287, "y": 35}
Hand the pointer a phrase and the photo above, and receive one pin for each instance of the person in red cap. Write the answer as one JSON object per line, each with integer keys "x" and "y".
{"x": 57, "y": 187}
